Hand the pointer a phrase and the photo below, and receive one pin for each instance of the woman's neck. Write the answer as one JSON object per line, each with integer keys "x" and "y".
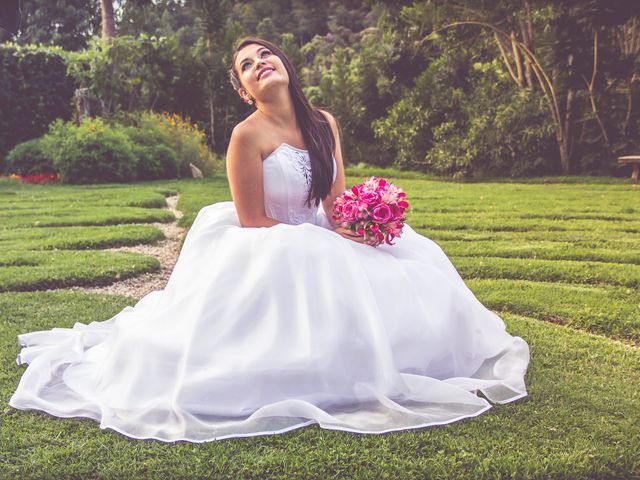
{"x": 279, "y": 110}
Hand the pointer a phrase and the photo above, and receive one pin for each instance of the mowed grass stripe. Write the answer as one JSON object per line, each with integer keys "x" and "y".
{"x": 539, "y": 249}
{"x": 78, "y": 238}
{"x": 567, "y": 271}
{"x": 153, "y": 200}
{"x": 31, "y": 270}
{"x": 607, "y": 310}
{"x": 631, "y": 216}
{"x": 86, "y": 216}
{"x": 581, "y": 238}
{"x": 579, "y": 421}
{"x": 148, "y": 195}
{"x": 421, "y": 220}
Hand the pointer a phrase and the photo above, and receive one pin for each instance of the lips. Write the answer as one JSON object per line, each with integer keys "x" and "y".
{"x": 264, "y": 70}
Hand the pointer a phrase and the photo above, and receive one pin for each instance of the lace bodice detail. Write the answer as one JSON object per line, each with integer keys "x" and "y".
{"x": 287, "y": 180}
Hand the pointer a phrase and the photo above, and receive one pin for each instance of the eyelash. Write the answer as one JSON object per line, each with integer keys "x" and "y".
{"x": 242, "y": 68}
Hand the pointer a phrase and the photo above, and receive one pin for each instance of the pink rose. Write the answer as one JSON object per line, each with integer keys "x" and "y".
{"x": 381, "y": 213}
{"x": 350, "y": 211}
{"x": 370, "y": 197}
{"x": 396, "y": 211}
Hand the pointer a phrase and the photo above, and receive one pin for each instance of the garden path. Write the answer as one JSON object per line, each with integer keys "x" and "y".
{"x": 166, "y": 251}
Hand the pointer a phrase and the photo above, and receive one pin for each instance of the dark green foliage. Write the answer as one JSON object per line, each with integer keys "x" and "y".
{"x": 465, "y": 119}
{"x": 408, "y": 89}
{"x": 34, "y": 91}
{"x": 29, "y": 158}
{"x": 131, "y": 74}
{"x": 92, "y": 152}
{"x": 66, "y": 23}
{"x": 164, "y": 138}
{"x": 141, "y": 146}
{"x": 155, "y": 159}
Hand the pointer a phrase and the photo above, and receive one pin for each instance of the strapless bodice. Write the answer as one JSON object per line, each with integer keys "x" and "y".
{"x": 287, "y": 180}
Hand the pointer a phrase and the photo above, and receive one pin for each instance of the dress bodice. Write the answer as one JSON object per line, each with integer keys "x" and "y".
{"x": 287, "y": 180}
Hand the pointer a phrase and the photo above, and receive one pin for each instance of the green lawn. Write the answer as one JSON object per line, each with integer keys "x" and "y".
{"x": 558, "y": 258}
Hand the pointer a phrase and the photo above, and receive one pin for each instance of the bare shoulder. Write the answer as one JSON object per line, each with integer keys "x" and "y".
{"x": 244, "y": 141}
{"x": 244, "y": 130}
{"x": 330, "y": 118}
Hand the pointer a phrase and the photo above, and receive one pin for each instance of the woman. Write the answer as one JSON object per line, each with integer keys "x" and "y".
{"x": 263, "y": 330}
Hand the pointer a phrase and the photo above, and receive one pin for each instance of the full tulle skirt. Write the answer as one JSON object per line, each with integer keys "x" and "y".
{"x": 263, "y": 330}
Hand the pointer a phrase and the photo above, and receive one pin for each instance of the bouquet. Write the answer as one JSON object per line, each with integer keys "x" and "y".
{"x": 374, "y": 209}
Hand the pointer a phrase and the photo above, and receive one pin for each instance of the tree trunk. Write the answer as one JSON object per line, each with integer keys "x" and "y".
{"x": 526, "y": 31}
{"x": 108, "y": 19}
{"x": 518, "y": 61}
{"x": 565, "y": 136}
{"x": 212, "y": 110}
{"x": 83, "y": 109}
{"x": 505, "y": 57}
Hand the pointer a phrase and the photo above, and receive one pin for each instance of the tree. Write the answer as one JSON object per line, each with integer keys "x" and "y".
{"x": 65, "y": 23}
{"x": 108, "y": 20}
{"x": 565, "y": 63}
{"x": 211, "y": 19}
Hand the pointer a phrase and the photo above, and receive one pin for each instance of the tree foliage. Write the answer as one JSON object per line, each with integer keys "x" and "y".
{"x": 455, "y": 87}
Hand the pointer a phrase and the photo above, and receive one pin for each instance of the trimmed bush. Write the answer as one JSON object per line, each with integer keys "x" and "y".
{"x": 92, "y": 152}
{"x": 29, "y": 158}
{"x": 186, "y": 139}
{"x": 141, "y": 146}
{"x": 35, "y": 89}
{"x": 156, "y": 159}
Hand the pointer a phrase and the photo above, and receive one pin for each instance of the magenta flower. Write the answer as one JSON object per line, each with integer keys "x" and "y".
{"x": 381, "y": 213}
{"x": 374, "y": 209}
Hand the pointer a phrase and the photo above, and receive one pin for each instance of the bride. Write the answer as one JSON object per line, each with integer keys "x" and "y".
{"x": 263, "y": 330}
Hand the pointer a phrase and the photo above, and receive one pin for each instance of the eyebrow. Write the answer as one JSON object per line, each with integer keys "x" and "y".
{"x": 245, "y": 59}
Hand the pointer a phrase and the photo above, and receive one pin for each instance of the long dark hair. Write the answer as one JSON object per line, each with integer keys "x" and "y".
{"x": 316, "y": 130}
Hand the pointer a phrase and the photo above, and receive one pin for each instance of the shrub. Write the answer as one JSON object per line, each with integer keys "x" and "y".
{"x": 29, "y": 158}
{"x": 155, "y": 158}
{"x": 187, "y": 140}
{"x": 92, "y": 152}
{"x": 35, "y": 89}
{"x": 140, "y": 146}
{"x": 466, "y": 119}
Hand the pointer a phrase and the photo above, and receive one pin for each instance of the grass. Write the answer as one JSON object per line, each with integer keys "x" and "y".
{"x": 549, "y": 270}
{"x": 98, "y": 215}
{"x": 579, "y": 421}
{"x": 78, "y": 238}
{"x": 552, "y": 250}
{"x": 603, "y": 309}
{"x": 23, "y": 271}
{"x": 612, "y": 241}
{"x": 558, "y": 258}
{"x": 43, "y": 228}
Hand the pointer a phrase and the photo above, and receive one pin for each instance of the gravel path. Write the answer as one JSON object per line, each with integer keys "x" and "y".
{"x": 166, "y": 251}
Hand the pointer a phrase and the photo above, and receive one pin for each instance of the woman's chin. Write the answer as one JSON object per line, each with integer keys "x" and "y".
{"x": 272, "y": 84}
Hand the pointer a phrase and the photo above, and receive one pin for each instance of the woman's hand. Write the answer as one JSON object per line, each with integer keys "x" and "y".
{"x": 351, "y": 235}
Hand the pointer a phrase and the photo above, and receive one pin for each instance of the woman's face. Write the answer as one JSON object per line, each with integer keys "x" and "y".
{"x": 259, "y": 71}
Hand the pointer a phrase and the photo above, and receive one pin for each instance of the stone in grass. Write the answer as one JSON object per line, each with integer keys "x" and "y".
{"x": 195, "y": 171}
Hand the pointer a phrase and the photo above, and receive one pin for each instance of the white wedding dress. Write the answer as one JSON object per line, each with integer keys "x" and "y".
{"x": 263, "y": 330}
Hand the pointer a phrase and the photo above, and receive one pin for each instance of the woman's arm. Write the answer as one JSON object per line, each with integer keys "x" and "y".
{"x": 244, "y": 171}
{"x": 338, "y": 186}
{"x": 339, "y": 183}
